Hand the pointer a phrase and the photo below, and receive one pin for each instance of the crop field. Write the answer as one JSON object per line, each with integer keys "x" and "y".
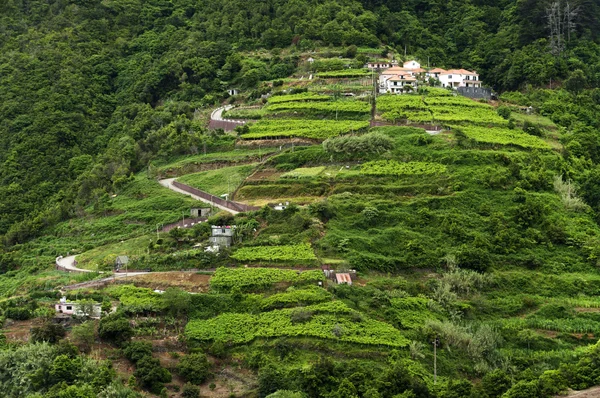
{"x": 258, "y": 279}
{"x": 280, "y": 99}
{"x": 314, "y": 129}
{"x": 392, "y": 167}
{"x": 244, "y": 113}
{"x": 503, "y": 136}
{"x": 304, "y": 172}
{"x": 103, "y": 257}
{"x": 219, "y": 181}
{"x": 447, "y": 109}
{"x": 332, "y": 320}
{"x": 344, "y": 73}
{"x": 196, "y": 163}
{"x": 301, "y": 254}
{"x": 342, "y": 107}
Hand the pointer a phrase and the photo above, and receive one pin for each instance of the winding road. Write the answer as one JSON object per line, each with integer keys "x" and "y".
{"x": 217, "y": 121}
{"x": 70, "y": 265}
{"x": 168, "y": 183}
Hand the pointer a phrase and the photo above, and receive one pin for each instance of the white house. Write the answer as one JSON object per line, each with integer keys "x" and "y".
{"x": 459, "y": 78}
{"x": 382, "y": 64}
{"x": 394, "y": 80}
{"x": 74, "y": 308}
{"x": 412, "y": 65}
{"x": 435, "y": 73}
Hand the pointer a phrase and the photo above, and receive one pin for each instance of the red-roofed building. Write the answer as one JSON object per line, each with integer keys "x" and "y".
{"x": 456, "y": 78}
{"x": 397, "y": 80}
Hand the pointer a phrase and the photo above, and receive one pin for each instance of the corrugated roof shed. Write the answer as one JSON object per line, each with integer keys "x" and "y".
{"x": 343, "y": 278}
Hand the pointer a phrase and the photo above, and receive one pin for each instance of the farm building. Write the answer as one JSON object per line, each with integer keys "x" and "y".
{"x": 222, "y": 236}
{"x": 200, "y": 212}
{"x": 343, "y": 278}
{"x": 121, "y": 261}
{"x": 74, "y": 308}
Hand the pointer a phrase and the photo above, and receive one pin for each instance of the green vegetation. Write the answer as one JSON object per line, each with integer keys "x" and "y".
{"x": 220, "y": 181}
{"x": 304, "y": 172}
{"x": 484, "y": 236}
{"x": 327, "y": 321}
{"x": 342, "y": 108}
{"x": 502, "y": 136}
{"x": 296, "y": 254}
{"x": 280, "y": 99}
{"x": 437, "y": 109}
{"x": 315, "y": 129}
{"x": 388, "y": 167}
{"x": 226, "y": 279}
{"x": 344, "y": 73}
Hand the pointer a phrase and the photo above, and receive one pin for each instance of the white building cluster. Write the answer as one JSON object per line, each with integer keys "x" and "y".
{"x": 406, "y": 78}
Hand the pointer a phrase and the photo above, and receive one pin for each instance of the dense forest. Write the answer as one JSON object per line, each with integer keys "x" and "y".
{"x": 92, "y": 91}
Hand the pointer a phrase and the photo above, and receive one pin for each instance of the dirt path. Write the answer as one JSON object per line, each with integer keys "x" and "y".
{"x": 593, "y": 392}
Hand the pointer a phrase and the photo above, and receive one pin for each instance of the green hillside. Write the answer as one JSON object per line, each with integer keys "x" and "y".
{"x": 469, "y": 228}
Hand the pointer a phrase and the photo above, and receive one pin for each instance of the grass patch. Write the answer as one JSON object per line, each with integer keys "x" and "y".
{"x": 219, "y": 181}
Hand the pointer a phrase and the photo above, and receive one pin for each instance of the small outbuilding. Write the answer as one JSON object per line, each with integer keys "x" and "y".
{"x": 197, "y": 212}
{"x": 343, "y": 278}
{"x": 222, "y": 236}
{"x": 121, "y": 262}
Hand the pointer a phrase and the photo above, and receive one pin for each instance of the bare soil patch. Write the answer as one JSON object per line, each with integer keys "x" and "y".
{"x": 18, "y": 330}
{"x": 265, "y": 175}
{"x": 593, "y": 392}
{"x": 188, "y": 281}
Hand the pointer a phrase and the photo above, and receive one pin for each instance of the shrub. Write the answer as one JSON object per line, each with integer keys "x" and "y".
{"x": 190, "y": 391}
{"x": 523, "y": 389}
{"x": 151, "y": 375}
{"x": 194, "y": 368}
{"x": 301, "y": 316}
{"x": 115, "y": 328}
{"x": 496, "y": 383}
{"x": 504, "y": 112}
{"x": 136, "y": 350}
{"x": 18, "y": 313}
{"x": 49, "y": 332}
{"x": 84, "y": 335}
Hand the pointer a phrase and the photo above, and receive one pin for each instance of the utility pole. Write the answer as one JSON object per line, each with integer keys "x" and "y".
{"x": 436, "y": 342}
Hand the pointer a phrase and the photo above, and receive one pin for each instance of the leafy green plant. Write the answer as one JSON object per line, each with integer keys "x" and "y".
{"x": 301, "y": 253}
{"x": 391, "y": 167}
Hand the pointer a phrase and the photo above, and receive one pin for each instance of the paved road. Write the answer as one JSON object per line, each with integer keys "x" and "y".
{"x": 68, "y": 263}
{"x": 217, "y": 114}
{"x": 168, "y": 183}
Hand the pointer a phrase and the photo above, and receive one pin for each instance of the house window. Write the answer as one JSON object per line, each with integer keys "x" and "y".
{"x": 449, "y": 76}
{"x": 60, "y": 307}
{"x": 223, "y": 230}
{"x": 69, "y": 307}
